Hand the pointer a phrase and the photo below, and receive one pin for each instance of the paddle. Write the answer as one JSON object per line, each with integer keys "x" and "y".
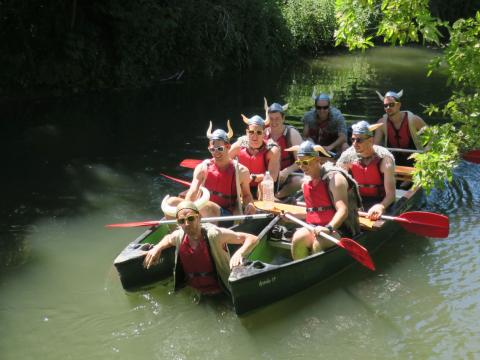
{"x": 354, "y": 249}
{"x": 190, "y": 163}
{"x": 420, "y": 222}
{"x": 472, "y": 156}
{"x": 209, "y": 219}
{"x": 180, "y": 181}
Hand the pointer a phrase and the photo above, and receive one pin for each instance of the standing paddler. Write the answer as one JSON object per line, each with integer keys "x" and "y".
{"x": 219, "y": 175}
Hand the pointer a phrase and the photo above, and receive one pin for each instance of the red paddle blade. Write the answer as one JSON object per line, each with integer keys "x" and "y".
{"x": 425, "y": 223}
{"x": 358, "y": 252}
{"x": 190, "y": 163}
{"x": 472, "y": 156}
{"x": 133, "y": 224}
{"x": 180, "y": 181}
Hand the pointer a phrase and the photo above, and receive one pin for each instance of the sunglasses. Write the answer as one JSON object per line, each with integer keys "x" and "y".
{"x": 358, "y": 140}
{"x": 258, "y": 132}
{"x": 189, "y": 218}
{"x": 304, "y": 162}
{"x": 389, "y": 105}
{"x": 218, "y": 148}
{"x": 322, "y": 107}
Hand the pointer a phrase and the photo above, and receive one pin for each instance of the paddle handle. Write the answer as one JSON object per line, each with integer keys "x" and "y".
{"x": 386, "y": 217}
{"x": 311, "y": 228}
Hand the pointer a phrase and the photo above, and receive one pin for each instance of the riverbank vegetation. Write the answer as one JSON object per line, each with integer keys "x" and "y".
{"x": 57, "y": 46}
{"x": 405, "y": 21}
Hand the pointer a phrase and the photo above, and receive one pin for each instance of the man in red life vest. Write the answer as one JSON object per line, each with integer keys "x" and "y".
{"x": 285, "y": 136}
{"x": 325, "y": 125}
{"x": 256, "y": 153}
{"x": 219, "y": 176}
{"x": 373, "y": 167}
{"x": 401, "y": 128}
{"x": 201, "y": 250}
{"x": 331, "y": 198}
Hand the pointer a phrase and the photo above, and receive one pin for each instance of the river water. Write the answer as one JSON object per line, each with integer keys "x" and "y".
{"x": 72, "y": 165}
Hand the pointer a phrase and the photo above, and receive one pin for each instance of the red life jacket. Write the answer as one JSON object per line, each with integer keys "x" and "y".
{"x": 320, "y": 209}
{"x": 256, "y": 164}
{"x": 198, "y": 266}
{"x": 286, "y": 157}
{"x": 400, "y": 138}
{"x": 369, "y": 178}
{"x": 221, "y": 185}
{"x": 319, "y": 135}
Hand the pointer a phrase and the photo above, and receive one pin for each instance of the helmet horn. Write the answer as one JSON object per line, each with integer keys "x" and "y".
{"x": 209, "y": 131}
{"x": 230, "y": 131}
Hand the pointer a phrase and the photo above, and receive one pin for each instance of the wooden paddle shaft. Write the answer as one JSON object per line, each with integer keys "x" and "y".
{"x": 310, "y": 227}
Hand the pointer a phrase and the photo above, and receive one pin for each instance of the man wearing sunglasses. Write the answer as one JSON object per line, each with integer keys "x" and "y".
{"x": 285, "y": 136}
{"x": 373, "y": 167}
{"x": 201, "y": 251}
{"x": 256, "y": 153}
{"x": 218, "y": 175}
{"x": 325, "y": 125}
{"x": 401, "y": 128}
{"x": 331, "y": 198}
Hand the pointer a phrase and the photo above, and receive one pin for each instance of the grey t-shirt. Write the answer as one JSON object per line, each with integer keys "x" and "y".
{"x": 336, "y": 122}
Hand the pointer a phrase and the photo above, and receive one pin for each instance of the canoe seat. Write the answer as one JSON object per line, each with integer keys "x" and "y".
{"x": 367, "y": 224}
{"x": 403, "y": 173}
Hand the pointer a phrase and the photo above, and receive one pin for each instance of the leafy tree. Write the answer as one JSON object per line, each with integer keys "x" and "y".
{"x": 404, "y": 21}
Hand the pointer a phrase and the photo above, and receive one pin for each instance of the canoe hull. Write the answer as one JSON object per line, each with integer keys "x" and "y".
{"x": 129, "y": 263}
{"x": 260, "y": 283}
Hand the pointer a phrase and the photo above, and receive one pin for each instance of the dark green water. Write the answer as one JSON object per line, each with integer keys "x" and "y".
{"x": 71, "y": 166}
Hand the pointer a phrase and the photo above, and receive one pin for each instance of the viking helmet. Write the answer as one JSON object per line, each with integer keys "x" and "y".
{"x": 220, "y": 134}
{"x": 364, "y": 128}
{"x": 308, "y": 148}
{"x": 390, "y": 93}
{"x": 255, "y": 120}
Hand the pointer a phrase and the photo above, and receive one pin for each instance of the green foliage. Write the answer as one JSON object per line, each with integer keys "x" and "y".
{"x": 311, "y": 23}
{"x": 399, "y": 22}
{"x": 354, "y": 18}
{"x": 404, "y": 21}
{"x": 435, "y": 167}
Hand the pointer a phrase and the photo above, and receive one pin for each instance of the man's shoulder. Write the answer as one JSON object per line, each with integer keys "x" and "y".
{"x": 348, "y": 156}
{"x": 309, "y": 116}
{"x": 383, "y": 152}
{"x": 336, "y": 114}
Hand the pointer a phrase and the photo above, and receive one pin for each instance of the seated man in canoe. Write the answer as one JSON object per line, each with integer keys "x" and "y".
{"x": 285, "y": 136}
{"x": 400, "y": 130}
{"x": 256, "y": 153}
{"x": 225, "y": 179}
{"x": 373, "y": 167}
{"x": 331, "y": 198}
{"x": 325, "y": 125}
{"x": 201, "y": 250}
